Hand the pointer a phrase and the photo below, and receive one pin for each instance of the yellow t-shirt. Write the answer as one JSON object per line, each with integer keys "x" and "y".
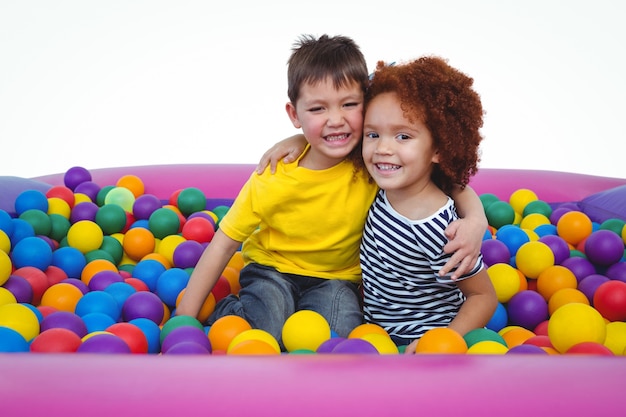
{"x": 302, "y": 221}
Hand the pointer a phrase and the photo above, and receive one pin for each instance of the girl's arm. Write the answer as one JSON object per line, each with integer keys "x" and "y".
{"x": 287, "y": 149}
{"x": 466, "y": 234}
{"x": 206, "y": 273}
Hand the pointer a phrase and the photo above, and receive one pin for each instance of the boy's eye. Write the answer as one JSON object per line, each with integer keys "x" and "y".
{"x": 351, "y": 104}
{"x": 315, "y": 109}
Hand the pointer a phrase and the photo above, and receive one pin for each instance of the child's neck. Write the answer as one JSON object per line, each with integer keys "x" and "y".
{"x": 417, "y": 202}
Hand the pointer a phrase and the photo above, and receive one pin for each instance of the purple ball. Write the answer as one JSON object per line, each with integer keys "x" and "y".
{"x": 559, "y": 247}
{"x": 532, "y": 349}
{"x": 64, "y": 320}
{"x": 580, "y": 267}
{"x": 590, "y": 284}
{"x": 604, "y": 247}
{"x": 495, "y": 251}
{"x": 328, "y": 345}
{"x": 187, "y": 254}
{"x": 104, "y": 343}
{"x": 75, "y": 176}
{"x": 557, "y": 213}
{"x": 354, "y": 346}
{"x": 78, "y": 284}
{"x": 187, "y": 348}
{"x": 84, "y": 211}
{"x": 145, "y": 205}
{"x": 186, "y": 334}
{"x": 89, "y": 188}
{"x": 527, "y": 309}
{"x": 20, "y": 288}
{"x": 617, "y": 271}
{"x": 144, "y": 304}
{"x": 102, "y": 279}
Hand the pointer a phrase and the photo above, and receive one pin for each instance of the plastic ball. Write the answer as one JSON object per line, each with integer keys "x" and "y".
{"x": 610, "y": 300}
{"x": 305, "y": 329}
{"x": 616, "y": 271}
{"x": 64, "y": 320}
{"x": 615, "y": 225}
{"x": 21, "y": 319}
{"x": 103, "y": 279}
{"x": 143, "y": 304}
{"x": 513, "y": 237}
{"x": 383, "y": 343}
{"x": 111, "y": 218}
{"x": 168, "y": 245}
{"x": 145, "y": 205}
{"x": 89, "y": 190}
{"x": 40, "y": 221}
{"x": 574, "y": 226}
{"x": 366, "y": 328}
{"x": 6, "y": 266}
{"x": 170, "y": 283}
{"x": 545, "y": 230}
{"x": 505, "y": 280}
{"x": 198, "y": 229}
{"x": 533, "y": 220}
{"x": 186, "y": 334}
{"x": 20, "y": 288}
{"x": 575, "y": 323}
{"x": 56, "y": 340}
{"x": 354, "y": 346}
{"x": 253, "y": 347}
{"x": 149, "y": 271}
{"x": 187, "y": 254}
{"x": 527, "y": 349}
{"x": 532, "y": 258}
{"x": 481, "y": 334}
{"x": 499, "y": 319}
{"x": 604, "y": 247}
{"x": 232, "y": 276}
{"x": 253, "y": 334}
{"x": 559, "y": 247}
{"x": 178, "y": 321}
{"x": 520, "y": 198}
{"x": 12, "y": 341}
{"x": 32, "y": 251}
{"x": 62, "y": 296}
{"x": 30, "y": 199}
{"x": 224, "y": 330}
{"x": 590, "y": 284}
{"x": 580, "y": 267}
{"x": 98, "y": 302}
{"x": 539, "y": 207}
{"x": 163, "y": 222}
{"x": 104, "y": 343}
{"x": 191, "y": 200}
{"x": 151, "y": 331}
{"x": 120, "y": 196}
{"x": 616, "y": 337}
{"x": 132, "y": 335}
{"x": 95, "y": 266}
{"x": 84, "y": 211}
{"x": 566, "y": 296}
{"x": 75, "y": 176}
{"x": 6, "y": 296}
{"x": 138, "y": 242}
{"x": 132, "y": 183}
{"x": 221, "y": 289}
{"x": 553, "y": 279}
{"x": 495, "y": 251}
{"x": 516, "y": 335}
{"x": 487, "y": 347}
{"x": 37, "y": 279}
{"x": 527, "y": 309}
{"x": 441, "y": 340}
{"x": 590, "y": 348}
{"x": 500, "y": 213}
{"x": 85, "y": 236}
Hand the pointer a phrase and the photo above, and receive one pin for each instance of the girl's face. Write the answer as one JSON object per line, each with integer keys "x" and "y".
{"x": 399, "y": 154}
{"x": 331, "y": 120}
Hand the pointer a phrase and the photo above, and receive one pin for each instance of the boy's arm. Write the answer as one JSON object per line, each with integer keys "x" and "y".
{"x": 466, "y": 234}
{"x": 288, "y": 149}
{"x": 206, "y": 273}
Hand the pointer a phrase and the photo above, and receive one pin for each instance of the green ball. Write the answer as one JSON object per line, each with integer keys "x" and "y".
{"x": 113, "y": 247}
{"x": 39, "y": 220}
{"x": 500, "y": 213}
{"x": 103, "y": 193}
{"x": 99, "y": 254}
{"x": 537, "y": 206}
{"x": 178, "y": 321}
{"x": 482, "y": 334}
{"x": 111, "y": 218}
{"x": 191, "y": 200}
{"x": 163, "y": 222}
{"x": 616, "y": 225}
{"x": 220, "y": 212}
{"x": 60, "y": 226}
{"x": 487, "y": 199}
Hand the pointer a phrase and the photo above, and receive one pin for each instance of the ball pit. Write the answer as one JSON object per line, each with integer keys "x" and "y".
{"x": 142, "y": 382}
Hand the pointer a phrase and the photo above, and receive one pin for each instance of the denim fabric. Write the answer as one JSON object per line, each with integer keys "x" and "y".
{"x": 267, "y": 298}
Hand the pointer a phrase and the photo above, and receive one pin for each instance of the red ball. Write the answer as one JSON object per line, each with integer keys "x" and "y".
{"x": 199, "y": 229}
{"x": 56, "y": 340}
{"x": 221, "y": 288}
{"x": 37, "y": 279}
{"x": 590, "y": 348}
{"x": 610, "y": 300}
{"x": 132, "y": 335}
{"x": 62, "y": 192}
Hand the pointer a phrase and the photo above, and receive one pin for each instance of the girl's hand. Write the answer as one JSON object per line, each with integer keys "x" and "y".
{"x": 287, "y": 149}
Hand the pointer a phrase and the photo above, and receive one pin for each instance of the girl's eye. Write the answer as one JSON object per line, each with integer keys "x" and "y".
{"x": 403, "y": 137}
{"x": 371, "y": 135}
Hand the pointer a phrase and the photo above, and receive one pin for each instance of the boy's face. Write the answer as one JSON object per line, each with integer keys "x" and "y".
{"x": 398, "y": 153}
{"x": 331, "y": 120}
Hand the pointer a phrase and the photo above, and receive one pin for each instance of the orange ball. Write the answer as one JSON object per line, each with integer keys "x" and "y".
{"x": 206, "y": 309}
{"x": 95, "y": 266}
{"x": 553, "y": 279}
{"x": 253, "y": 347}
{"x": 517, "y": 336}
{"x": 224, "y": 330}
{"x": 366, "y": 328}
{"x": 232, "y": 276}
{"x": 441, "y": 340}
{"x": 565, "y": 296}
{"x": 132, "y": 183}
{"x": 62, "y": 296}
{"x": 574, "y": 226}
{"x": 236, "y": 261}
{"x": 138, "y": 242}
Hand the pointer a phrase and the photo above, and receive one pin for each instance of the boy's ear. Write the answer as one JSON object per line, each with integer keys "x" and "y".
{"x": 293, "y": 115}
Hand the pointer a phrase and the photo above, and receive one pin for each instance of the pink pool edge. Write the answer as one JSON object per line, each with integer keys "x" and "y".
{"x": 323, "y": 384}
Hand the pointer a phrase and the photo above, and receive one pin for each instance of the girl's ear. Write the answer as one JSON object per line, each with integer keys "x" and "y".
{"x": 435, "y": 159}
{"x": 293, "y": 115}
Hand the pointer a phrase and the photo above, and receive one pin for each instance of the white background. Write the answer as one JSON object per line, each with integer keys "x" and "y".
{"x": 117, "y": 83}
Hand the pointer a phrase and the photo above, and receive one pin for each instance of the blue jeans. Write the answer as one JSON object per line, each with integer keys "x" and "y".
{"x": 267, "y": 298}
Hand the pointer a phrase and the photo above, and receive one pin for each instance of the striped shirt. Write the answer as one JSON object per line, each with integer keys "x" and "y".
{"x": 400, "y": 260}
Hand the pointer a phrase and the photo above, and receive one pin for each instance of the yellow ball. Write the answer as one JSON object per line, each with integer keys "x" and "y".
{"x": 305, "y": 329}
{"x": 532, "y": 258}
{"x": 616, "y": 337}
{"x": 5, "y": 242}
{"x": 254, "y": 334}
{"x": 533, "y": 220}
{"x": 383, "y": 343}
{"x": 6, "y": 267}
{"x": 520, "y": 198}
{"x": 505, "y": 280}
{"x": 85, "y": 236}
{"x": 168, "y": 245}
{"x": 59, "y": 206}
{"x": 487, "y": 347}
{"x": 21, "y": 319}
{"x": 6, "y": 297}
{"x": 575, "y": 323}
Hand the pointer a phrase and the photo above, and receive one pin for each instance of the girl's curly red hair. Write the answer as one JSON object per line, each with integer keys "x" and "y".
{"x": 442, "y": 98}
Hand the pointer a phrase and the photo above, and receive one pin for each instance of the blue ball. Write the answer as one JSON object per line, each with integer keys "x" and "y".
{"x": 12, "y": 341}
{"x": 120, "y": 291}
{"x": 499, "y": 319}
{"x": 513, "y": 237}
{"x": 170, "y": 284}
{"x": 152, "y": 331}
{"x": 98, "y": 302}
{"x": 149, "y": 271}
{"x": 6, "y": 223}
{"x": 21, "y": 229}
{"x": 31, "y": 199}
{"x": 70, "y": 260}
{"x": 97, "y": 322}
{"x": 32, "y": 251}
